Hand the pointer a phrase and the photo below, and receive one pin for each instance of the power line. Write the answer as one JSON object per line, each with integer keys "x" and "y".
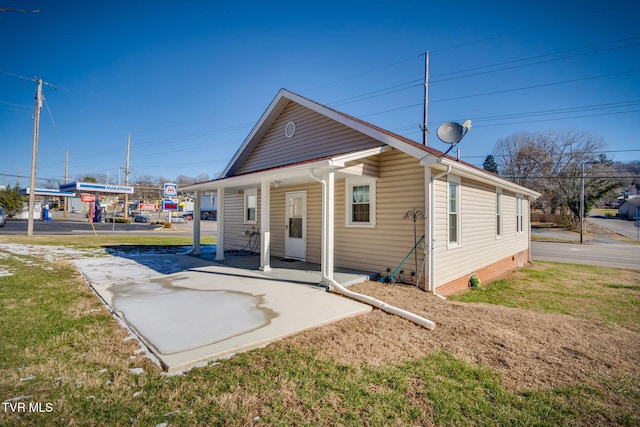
{"x": 538, "y": 86}
{"x": 538, "y": 57}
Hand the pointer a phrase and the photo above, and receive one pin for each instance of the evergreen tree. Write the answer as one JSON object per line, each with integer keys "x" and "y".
{"x": 490, "y": 164}
{"x": 12, "y": 201}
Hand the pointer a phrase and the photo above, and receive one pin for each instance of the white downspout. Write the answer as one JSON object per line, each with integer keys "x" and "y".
{"x": 220, "y": 221}
{"x": 432, "y": 211}
{"x": 326, "y": 276}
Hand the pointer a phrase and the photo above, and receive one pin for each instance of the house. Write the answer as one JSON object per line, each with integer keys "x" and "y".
{"x": 629, "y": 208}
{"x": 321, "y": 186}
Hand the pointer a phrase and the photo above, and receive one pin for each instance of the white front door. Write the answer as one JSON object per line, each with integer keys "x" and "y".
{"x": 295, "y": 242}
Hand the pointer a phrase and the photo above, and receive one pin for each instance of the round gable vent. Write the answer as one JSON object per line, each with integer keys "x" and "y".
{"x": 290, "y": 129}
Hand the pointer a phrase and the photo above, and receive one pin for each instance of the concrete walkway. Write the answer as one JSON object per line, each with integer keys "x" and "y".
{"x": 188, "y": 309}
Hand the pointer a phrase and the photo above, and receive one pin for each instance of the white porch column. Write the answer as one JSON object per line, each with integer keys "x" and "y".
{"x": 196, "y": 224}
{"x": 220, "y": 225}
{"x": 265, "y": 230}
{"x": 330, "y": 224}
{"x": 428, "y": 229}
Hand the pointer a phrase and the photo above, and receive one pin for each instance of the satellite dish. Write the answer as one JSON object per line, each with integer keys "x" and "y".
{"x": 450, "y": 132}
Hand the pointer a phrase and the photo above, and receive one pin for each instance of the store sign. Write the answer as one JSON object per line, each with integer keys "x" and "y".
{"x": 170, "y": 190}
{"x": 169, "y": 205}
{"x": 148, "y": 207}
{"x": 87, "y": 197}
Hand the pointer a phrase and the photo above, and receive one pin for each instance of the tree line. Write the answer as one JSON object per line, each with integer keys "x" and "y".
{"x": 557, "y": 164}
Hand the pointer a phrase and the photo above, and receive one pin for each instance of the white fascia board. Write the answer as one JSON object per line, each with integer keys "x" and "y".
{"x": 478, "y": 175}
{"x": 255, "y": 178}
{"x": 266, "y": 116}
{"x": 285, "y": 172}
{"x": 340, "y": 161}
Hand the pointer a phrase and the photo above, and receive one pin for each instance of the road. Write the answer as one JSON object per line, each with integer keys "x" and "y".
{"x": 620, "y": 226}
{"x": 598, "y": 250}
{"x": 608, "y": 255}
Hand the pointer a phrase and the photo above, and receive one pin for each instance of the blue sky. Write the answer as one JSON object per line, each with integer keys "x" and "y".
{"x": 188, "y": 80}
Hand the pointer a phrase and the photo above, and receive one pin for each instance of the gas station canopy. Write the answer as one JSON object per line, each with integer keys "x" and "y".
{"x": 46, "y": 192}
{"x": 96, "y": 188}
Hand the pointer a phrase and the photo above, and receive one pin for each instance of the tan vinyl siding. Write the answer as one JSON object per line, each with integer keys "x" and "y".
{"x": 314, "y": 220}
{"x": 367, "y": 166}
{"x": 234, "y": 221}
{"x": 479, "y": 244}
{"x": 399, "y": 188}
{"x": 316, "y": 136}
{"x": 234, "y": 225}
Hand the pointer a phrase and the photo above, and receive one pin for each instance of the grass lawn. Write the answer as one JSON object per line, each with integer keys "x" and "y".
{"x": 604, "y": 212}
{"x": 584, "y": 291}
{"x": 64, "y": 360}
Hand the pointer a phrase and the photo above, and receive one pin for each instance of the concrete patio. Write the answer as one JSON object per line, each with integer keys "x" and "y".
{"x": 189, "y": 309}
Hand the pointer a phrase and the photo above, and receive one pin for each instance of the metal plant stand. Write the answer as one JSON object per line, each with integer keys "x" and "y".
{"x": 415, "y": 214}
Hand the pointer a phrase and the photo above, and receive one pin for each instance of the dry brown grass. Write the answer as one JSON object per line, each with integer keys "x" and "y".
{"x": 531, "y": 350}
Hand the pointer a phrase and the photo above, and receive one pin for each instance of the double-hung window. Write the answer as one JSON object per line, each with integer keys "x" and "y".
{"x": 519, "y": 213}
{"x": 498, "y": 212}
{"x": 250, "y": 205}
{"x": 360, "y": 206}
{"x": 453, "y": 211}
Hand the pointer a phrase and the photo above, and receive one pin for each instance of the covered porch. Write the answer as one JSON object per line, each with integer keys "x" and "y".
{"x": 272, "y": 223}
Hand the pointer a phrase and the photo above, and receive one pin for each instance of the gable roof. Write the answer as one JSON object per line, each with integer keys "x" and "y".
{"x": 426, "y": 155}
{"x": 633, "y": 201}
{"x": 280, "y": 102}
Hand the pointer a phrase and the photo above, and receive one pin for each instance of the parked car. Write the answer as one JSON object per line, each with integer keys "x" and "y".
{"x": 141, "y": 218}
{"x": 187, "y": 216}
{"x": 3, "y": 217}
{"x": 177, "y": 219}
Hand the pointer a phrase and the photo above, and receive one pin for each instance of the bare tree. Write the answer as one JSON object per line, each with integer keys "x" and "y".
{"x": 148, "y": 188}
{"x": 203, "y": 177}
{"x": 552, "y": 163}
{"x": 183, "y": 180}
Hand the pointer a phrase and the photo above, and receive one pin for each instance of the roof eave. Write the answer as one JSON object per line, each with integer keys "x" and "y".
{"x": 464, "y": 170}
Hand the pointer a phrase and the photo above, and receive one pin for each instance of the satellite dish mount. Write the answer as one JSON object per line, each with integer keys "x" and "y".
{"x": 452, "y": 133}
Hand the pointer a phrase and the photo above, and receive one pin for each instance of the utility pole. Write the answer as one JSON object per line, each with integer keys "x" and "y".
{"x": 582, "y": 207}
{"x": 126, "y": 178}
{"x": 34, "y": 156}
{"x": 424, "y": 128}
{"x": 66, "y": 180}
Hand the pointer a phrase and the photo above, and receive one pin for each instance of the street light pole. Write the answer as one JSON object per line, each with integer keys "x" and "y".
{"x": 34, "y": 156}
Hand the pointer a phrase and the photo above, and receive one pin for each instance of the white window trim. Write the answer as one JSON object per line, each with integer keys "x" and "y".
{"x": 349, "y": 183}
{"x": 519, "y": 213}
{"x": 247, "y": 193}
{"x": 499, "y": 215}
{"x": 455, "y": 180}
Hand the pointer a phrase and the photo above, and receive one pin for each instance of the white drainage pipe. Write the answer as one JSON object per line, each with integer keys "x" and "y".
{"x": 418, "y": 320}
